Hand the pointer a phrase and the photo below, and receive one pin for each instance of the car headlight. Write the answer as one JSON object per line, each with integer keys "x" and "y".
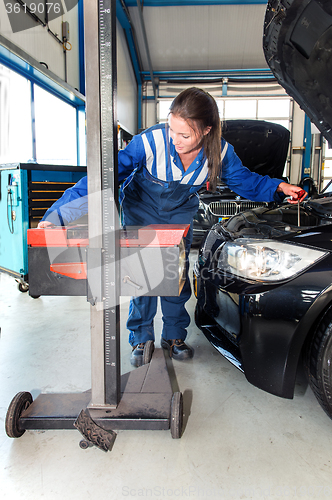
{"x": 266, "y": 260}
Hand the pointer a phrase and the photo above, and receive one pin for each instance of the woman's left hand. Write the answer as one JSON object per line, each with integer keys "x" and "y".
{"x": 295, "y": 193}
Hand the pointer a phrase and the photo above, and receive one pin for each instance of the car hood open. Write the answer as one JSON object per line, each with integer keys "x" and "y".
{"x": 261, "y": 146}
{"x": 297, "y": 44}
{"x": 284, "y": 222}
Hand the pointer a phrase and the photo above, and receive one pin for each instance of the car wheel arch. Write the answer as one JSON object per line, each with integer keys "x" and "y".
{"x": 303, "y": 337}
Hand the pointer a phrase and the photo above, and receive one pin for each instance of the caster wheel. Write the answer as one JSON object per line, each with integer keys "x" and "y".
{"x": 19, "y": 403}
{"x": 35, "y": 296}
{"x": 85, "y": 444}
{"x": 23, "y": 287}
{"x": 147, "y": 352}
{"x": 176, "y": 415}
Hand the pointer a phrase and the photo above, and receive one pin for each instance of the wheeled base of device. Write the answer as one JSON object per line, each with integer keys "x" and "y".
{"x": 147, "y": 402}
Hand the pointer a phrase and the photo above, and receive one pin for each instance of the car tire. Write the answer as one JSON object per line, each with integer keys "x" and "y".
{"x": 319, "y": 363}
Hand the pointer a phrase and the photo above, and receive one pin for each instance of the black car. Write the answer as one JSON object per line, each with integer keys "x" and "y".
{"x": 262, "y": 147}
{"x": 263, "y": 278}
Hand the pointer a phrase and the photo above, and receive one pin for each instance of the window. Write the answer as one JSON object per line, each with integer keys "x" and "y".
{"x": 240, "y": 108}
{"x": 277, "y": 108}
{"x": 15, "y": 117}
{"x": 163, "y": 109}
{"x": 55, "y": 129}
{"x": 57, "y": 134}
{"x": 81, "y": 137}
{"x": 327, "y": 170}
{"x": 273, "y": 110}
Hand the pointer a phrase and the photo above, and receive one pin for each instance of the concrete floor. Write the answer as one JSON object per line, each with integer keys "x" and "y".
{"x": 238, "y": 442}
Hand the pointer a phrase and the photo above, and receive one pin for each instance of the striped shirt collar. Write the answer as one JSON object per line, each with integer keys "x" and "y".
{"x": 197, "y": 162}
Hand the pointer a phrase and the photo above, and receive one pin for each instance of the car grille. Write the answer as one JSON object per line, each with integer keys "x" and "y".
{"x": 229, "y": 208}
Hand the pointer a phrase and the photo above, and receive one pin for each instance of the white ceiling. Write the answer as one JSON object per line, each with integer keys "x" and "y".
{"x": 210, "y": 37}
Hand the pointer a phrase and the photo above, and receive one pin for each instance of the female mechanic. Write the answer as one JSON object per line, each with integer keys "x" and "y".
{"x": 161, "y": 171}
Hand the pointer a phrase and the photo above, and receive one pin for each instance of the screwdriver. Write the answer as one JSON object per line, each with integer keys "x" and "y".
{"x": 299, "y": 196}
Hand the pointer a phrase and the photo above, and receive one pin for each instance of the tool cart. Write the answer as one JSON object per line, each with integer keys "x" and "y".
{"x": 27, "y": 190}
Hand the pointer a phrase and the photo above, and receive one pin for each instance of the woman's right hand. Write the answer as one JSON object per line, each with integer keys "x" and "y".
{"x": 43, "y": 224}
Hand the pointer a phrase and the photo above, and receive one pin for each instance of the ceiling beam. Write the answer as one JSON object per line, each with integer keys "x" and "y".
{"x": 147, "y": 50}
{"x": 248, "y": 73}
{"x": 123, "y": 17}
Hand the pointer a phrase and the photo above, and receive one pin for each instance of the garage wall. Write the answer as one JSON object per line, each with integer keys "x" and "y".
{"x": 42, "y": 46}
{"x": 127, "y": 87}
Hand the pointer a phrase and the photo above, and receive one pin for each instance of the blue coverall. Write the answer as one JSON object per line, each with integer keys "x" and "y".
{"x": 157, "y": 190}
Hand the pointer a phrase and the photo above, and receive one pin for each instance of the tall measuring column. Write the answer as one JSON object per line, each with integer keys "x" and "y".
{"x": 103, "y": 253}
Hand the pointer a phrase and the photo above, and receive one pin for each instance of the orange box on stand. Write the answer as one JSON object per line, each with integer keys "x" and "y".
{"x": 152, "y": 260}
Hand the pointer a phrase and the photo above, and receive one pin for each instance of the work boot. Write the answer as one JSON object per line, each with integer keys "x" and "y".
{"x": 136, "y": 358}
{"x": 177, "y": 349}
